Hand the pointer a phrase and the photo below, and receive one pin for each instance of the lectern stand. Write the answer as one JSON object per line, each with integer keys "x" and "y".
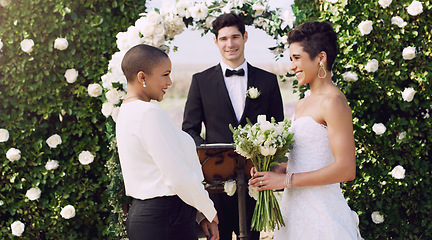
{"x": 221, "y": 163}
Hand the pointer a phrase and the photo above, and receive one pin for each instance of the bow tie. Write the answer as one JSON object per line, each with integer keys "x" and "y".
{"x": 229, "y": 73}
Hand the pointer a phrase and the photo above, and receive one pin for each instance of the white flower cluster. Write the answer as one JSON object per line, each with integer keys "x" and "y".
{"x": 263, "y": 138}
{"x": 156, "y": 27}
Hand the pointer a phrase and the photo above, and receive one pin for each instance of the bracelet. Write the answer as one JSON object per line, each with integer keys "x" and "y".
{"x": 288, "y": 178}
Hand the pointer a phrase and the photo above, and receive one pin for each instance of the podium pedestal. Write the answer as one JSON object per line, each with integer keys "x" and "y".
{"x": 221, "y": 163}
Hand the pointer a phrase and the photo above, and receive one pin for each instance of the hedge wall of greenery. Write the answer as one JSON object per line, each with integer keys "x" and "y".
{"x": 37, "y": 102}
{"x": 393, "y": 189}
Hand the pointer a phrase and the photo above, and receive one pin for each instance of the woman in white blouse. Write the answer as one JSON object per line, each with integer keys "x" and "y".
{"x": 160, "y": 166}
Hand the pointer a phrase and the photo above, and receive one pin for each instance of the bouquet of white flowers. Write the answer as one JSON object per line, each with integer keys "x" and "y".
{"x": 264, "y": 143}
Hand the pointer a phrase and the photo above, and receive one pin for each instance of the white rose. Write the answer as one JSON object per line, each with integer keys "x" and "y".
{"x": 398, "y": 21}
{"x": 114, "y": 113}
{"x": 267, "y": 150}
{"x": 133, "y": 36}
{"x": 4, "y": 3}
{"x": 17, "y": 228}
{"x": 209, "y": 22}
{"x": 85, "y": 157}
{"x": 350, "y": 76}
{"x": 27, "y": 45}
{"x": 4, "y": 135}
{"x": 33, "y": 193}
{"x": 259, "y": 9}
{"x": 199, "y": 11}
{"x": 68, "y": 212}
{"x": 409, "y": 53}
{"x": 415, "y": 8}
{"x": 401, "y": 136}
{"x": 288, "y": 18}
{"x": 408, "y": 94}
{"x": 398, "y": 172}
{"x": 112, "y": 96}
{"x": 71, "y": 75}
{"x": 61, "y": 44}
{"x": 1, "y": 44}
{"x": 122, "y": 41}
{"x": 372, "y": 65}
{"x": 53, "y": 141}
{"x": 51, "y": 165}
{"x": 261, "y": 118}
{"x": 307, "y": 93}
{"x": 154, "y": 18}
{"x": 230, "y": 187}
{"x": 332, "y": 1}
{"x": 107, "y": 108}
{"x": 365, "y": 27}
{"x": 379, "y": 128}
{"x": 94, "y": 90}
{"x": 253, "y": 192}
{"x": 182, "y": 7}
{"x": 13, "y": 154}
{"x": 385, "y": 3}
{"x": 377, "y": 217}
{"x": 252, "y": 93}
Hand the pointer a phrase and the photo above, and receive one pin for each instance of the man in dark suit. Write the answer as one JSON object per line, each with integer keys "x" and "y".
{"x": 218, "y": 97}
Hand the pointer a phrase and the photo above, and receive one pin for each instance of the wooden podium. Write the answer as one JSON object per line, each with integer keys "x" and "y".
{"x": 221, "y": 163}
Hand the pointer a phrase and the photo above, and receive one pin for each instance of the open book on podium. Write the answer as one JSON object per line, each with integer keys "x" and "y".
{"x": 220, "y": 163}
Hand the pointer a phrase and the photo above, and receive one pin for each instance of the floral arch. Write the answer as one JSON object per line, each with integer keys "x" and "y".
{"x": 158, "y": 27}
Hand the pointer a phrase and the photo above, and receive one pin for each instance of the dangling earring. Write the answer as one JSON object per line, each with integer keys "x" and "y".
{"x": 322, "y": 67}
{"x": 144, "y": 85}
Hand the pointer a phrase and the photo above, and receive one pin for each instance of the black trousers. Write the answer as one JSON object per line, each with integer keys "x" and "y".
{"x": 161, "y": 218}
{"x": 227, "y": 209}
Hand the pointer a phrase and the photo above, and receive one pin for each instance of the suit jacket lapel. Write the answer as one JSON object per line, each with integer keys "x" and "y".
{"x": 250, "y": 83}
{"x": 223, "y": 91}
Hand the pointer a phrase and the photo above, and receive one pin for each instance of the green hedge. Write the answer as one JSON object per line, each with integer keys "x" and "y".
{"x": 376, "y": 97}
{"x": 37, "y": 102}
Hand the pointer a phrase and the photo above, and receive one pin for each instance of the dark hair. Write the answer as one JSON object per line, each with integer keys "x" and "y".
{"x": 141, "y": 57}
{"x": 315, "y": 37}
{"x": 228, "y": 20}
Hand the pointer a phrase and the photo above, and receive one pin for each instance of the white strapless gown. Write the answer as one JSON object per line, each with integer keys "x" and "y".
{"x": 317, "y": 212}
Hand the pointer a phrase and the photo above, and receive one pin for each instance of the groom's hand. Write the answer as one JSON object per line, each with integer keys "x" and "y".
{"x": 210, "y": 229}
{"x": 279, "y": 168}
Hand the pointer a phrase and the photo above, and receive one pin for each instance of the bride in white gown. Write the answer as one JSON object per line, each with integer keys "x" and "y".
{"x": 323, "y": 155}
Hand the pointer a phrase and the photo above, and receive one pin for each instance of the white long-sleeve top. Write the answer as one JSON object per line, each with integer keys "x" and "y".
{"x": 158, "y": 159}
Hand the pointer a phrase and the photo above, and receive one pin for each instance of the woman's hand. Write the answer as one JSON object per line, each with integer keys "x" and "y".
{"x": 267, "y": 180}
{"x": 210, "y": 229}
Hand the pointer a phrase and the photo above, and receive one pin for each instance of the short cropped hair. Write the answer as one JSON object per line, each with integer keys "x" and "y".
{"x": 228, "y": 20}
{"x": 315, "y": 37}
{"x": 141, "y": 57}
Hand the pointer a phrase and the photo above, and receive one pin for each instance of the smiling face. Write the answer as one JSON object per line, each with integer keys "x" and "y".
{"x": 231, "y": 45}
{"x": 158, "y": 81}
{"x": 305, "y": 69}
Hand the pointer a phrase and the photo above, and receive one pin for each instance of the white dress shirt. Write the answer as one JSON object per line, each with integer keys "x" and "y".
{"x": 237, "y": 87}
{"x": 158, "y": 159}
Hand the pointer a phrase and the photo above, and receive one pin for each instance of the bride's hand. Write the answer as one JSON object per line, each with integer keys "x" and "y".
{"x": 253, "y": 170}
{"x": 268, "y": 180}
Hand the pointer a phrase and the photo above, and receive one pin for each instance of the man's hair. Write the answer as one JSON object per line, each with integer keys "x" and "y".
{"x": 141, "y": 57}
{"x": 228, "y": 20}
{"x": 315, "y": 37}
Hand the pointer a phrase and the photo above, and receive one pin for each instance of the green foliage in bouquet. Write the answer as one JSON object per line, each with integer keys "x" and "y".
{"x": 264, "y": 143}
{"x": 384, "y": 67}
{"x": 53, "y": 146}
